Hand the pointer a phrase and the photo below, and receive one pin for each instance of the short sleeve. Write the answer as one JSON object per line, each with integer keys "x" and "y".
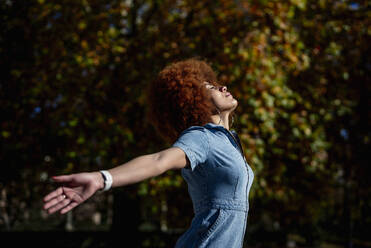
{"x": 195, "y": 144}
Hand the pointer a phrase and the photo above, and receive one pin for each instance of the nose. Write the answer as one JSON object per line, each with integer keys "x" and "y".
{"x": 223, "y": 88}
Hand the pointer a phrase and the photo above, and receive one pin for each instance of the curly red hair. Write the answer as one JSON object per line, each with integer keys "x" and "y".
{"x": 177, "y": 99}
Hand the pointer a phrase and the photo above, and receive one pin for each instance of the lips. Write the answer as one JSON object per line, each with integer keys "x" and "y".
{"x": 227, "y": 94}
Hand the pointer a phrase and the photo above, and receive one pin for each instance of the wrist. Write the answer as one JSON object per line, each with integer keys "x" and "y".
{"x": 99, "y": 180}
{"x": 107, "y": 180}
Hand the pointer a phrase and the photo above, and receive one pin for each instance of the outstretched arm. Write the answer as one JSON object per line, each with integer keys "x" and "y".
{"x": 76, "y": 188}
{"x": 148, "y": 166}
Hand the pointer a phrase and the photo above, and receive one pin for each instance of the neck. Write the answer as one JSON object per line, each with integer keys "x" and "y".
{"x": 221, "y": 119}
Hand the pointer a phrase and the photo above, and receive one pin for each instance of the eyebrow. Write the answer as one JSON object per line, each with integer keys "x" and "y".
{"x": 214, "y": 84}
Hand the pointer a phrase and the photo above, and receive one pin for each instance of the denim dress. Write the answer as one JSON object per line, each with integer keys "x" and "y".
{"x": 219, "y": 180}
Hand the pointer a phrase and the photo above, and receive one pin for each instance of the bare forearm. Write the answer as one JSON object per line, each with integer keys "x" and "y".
{"x": 136, "y": 170}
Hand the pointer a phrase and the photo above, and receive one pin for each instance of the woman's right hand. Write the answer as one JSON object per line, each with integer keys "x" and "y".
{"x": 75, "y": 189}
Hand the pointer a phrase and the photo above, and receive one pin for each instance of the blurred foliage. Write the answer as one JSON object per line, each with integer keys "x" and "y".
{"x": 73, "y": 98}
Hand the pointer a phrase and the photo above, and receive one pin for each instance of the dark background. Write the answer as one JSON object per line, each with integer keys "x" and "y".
{"x": 73, "y": 98}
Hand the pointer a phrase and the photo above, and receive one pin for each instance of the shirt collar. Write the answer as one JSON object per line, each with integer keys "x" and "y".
{"x": 212, "y": 125}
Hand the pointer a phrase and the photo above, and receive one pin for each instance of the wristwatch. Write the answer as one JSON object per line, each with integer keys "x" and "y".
{"x": 107, "y": 178}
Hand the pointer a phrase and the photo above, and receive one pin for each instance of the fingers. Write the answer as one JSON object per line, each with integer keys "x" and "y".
{"x": 53, "y": 194}
{"x": 60, "y": 205}
{"x": 69, "y": 207}
{"x": 62, "y": 179}
{"x": 61, "y": 199}
{"x": 54, "y": 198}
{"x": 59, "y": 191}
{"x": 56, "y": 201}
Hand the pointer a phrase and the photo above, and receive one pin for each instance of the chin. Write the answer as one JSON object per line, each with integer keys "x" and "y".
{"x": 233, "y": 107}
{"x": 235, "y": 103}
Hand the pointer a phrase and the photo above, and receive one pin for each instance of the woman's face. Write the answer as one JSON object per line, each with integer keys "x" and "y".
{"x": 222, "y": 99}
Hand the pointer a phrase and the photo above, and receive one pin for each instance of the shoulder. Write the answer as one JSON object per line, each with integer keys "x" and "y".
{"x": 196, "y": 136}
{"x": 195, "y": 130}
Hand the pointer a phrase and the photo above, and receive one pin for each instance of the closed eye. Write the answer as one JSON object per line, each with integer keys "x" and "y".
{"x": 209, "y": 86}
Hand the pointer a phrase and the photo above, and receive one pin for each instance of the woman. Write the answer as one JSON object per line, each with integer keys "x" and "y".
{"x": 187, "y": 106}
